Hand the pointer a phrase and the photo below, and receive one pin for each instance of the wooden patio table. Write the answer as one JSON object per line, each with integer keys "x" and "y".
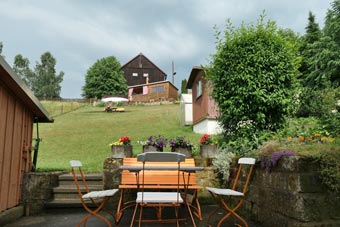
{"x": 161, "y": 175}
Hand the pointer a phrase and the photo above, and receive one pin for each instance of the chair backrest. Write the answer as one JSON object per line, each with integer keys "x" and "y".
{"x": 243, "y": 162}
{"x": 161, "y": 157}
{"x": 76, "y": 168}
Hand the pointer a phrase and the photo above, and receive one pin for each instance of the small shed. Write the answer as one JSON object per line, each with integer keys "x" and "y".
{"x": 186, "y": 109}
{"x": 19, "y": 110}
{"x": 204, "y": 109}
{"x": 153, "y": 92}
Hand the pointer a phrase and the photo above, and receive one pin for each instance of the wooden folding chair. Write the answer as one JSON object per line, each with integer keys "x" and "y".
{"x": 158, "y": 199}
{"x": 98, "y": 198}
{"x": 223, "y": 196}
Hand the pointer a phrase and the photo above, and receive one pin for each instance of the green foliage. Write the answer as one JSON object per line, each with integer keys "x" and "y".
{"x": 252, "y": 73}
{"x": 21, "y": 68}
{"x": 313, "y": 34}
{"x": 46, "y": 83}
{"x": 332, "y": 22}
{"x": 316, "y": 102}
{"x": 222, "y": 162}
{"x": 330, "y": 170}
{"x": 184, "y": 89}
{"x": 104, "y": 78}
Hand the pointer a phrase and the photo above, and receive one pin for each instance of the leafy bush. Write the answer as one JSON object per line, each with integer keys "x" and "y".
{"x": 252, "y": 74}
{"x": 222, "y": 162}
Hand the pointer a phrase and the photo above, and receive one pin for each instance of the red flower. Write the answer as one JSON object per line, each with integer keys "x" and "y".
{"x": 205, "y": 139}
{"x": 125, "y": 140}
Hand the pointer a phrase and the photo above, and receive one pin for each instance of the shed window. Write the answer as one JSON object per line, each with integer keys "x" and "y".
{"x": 134, "y": 74}
{"x": 146, "y": 74}
{"x": 158, "y": 89}
{"x": 199, "y": 89}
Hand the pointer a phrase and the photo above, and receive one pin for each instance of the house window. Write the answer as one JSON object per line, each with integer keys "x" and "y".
{"x": 145, "y": 74}
{"x": 199, "y": 88}
{"x": 158, "y": 89}
{"x": 134, "y": 74}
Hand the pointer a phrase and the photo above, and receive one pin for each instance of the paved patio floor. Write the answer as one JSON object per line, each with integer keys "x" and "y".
{"x": 72, "y": 216}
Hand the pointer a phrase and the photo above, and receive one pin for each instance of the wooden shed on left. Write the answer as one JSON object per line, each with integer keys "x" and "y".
{"x": 19, "y": 110}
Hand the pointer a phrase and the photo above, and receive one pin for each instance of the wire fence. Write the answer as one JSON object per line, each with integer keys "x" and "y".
{"x": 57, "y": 107}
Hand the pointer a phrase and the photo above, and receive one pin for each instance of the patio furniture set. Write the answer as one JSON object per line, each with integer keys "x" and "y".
{"x": 162, "y": 180}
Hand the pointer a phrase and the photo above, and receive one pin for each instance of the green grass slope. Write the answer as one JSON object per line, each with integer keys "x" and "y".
{"x": 86, "y": 133}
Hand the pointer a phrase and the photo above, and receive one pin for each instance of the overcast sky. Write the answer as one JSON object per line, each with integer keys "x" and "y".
{"x": 79, "y": 32}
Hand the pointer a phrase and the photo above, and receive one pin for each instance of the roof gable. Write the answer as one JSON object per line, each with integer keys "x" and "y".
{"x": 20, "y": 89}
{"x": 139, "y": 58}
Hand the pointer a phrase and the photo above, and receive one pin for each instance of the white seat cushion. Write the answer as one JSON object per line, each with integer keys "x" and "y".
{"x": 222, "y": 191}
{"x": 100, "y": 194}
{"x": 159, "y": 197}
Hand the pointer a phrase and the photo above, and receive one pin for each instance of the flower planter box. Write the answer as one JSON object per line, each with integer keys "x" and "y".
{"x": 183, "y": 150}
{"x": 148, "y": 148}
{"x": 121, "y": 151}
{"x": 208, "y": 151}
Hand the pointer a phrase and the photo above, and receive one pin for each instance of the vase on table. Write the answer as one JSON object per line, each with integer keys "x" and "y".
{"x": 208, "y": 151}
{"x": 148, "y": 148}
{"x": 121, "y": 151}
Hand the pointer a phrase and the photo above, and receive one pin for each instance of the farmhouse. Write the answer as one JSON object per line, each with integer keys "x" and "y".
{"x": 147, "y": 82}
{"x": 19, "y": 109}
{"x": 204, "y": 108}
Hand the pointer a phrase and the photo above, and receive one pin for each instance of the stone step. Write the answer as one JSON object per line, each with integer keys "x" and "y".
{"x": 68, "y": 203}
{"x": 66, "y": 194}
{"x": 67, "y": 179}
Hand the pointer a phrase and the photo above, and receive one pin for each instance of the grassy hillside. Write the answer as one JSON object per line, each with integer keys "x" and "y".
{"x": 85, "y": 134}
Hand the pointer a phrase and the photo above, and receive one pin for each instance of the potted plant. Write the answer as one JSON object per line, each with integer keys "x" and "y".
{"x": 181, "y": 145}
{"x": 155, "y": 143}
{"x": 122, "y": 148}
{"x": 208, "y": 147}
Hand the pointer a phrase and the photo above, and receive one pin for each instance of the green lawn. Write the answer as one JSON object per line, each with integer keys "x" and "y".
{"x": 85, "y": 134}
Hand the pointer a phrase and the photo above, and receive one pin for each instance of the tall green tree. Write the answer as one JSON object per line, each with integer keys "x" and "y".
{"x": 313, "y": 34}
{"x": 324, "y": 62}
{"x": 332, "y": 22}
{"x": 252, "y": 71}
{"x": 104, "y": 78}
{"x": 184, "y": 89}
{"x": 21, "y": 68}
{"x": 46, "y": 83}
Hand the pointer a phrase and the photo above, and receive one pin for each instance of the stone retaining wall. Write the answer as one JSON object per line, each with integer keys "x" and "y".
{"x": 37, "y": 189}
{"x": 291, "y": 195}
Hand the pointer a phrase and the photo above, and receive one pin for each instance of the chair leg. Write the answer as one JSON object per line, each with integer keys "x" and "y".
{"x": 191, "y": 216}
{"x": 232, "y": 212}
{"x": 95, "y": 213}
{"x": 134, "y": 215}
{"x": 140, "y": 215}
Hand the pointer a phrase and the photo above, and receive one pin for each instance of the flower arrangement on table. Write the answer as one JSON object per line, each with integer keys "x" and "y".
{"x": 124, "y": 140}
{"x": 206, "y": 140}
{"x": 157, "y": 141}
{"x": 180, "y": 142}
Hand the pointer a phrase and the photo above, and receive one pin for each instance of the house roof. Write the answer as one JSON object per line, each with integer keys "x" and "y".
{"x": 142, "y": 55}
{"x": 193, "y": 73}
{"x": 11, "y": 80}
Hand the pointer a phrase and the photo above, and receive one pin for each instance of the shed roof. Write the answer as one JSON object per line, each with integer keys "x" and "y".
{"x": 11, "y": 80}
{"x": 194, "y": 72}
